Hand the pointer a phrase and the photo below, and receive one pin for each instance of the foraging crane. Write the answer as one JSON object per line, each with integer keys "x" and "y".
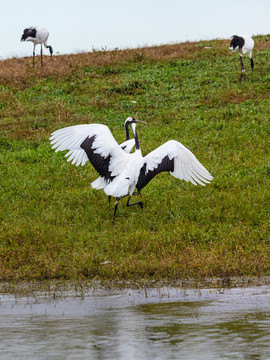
{"x": 38, "y": 35}
{"x": 120, "y": 172}
{"x": 243, "y": 44}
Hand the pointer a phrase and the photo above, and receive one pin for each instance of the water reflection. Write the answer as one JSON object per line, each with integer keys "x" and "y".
{"x": 172, "y": 324}
{"x": 196, "y": 332}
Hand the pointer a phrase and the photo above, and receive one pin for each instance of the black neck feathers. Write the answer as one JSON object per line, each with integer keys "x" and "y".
{"x": 50, "y": 49}
{"x": 29, "y": 32}
{"x": 127, "y": 131}
{"x": 237, "y": 41}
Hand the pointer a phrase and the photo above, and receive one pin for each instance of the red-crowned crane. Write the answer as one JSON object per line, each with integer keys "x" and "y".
{"x": 120, "y": 172}
{"x": 38, "y": 35}
{"x": 243, "y": 44}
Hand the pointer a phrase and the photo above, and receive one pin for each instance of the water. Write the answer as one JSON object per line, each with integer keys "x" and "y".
{"x": 166, "y": 323}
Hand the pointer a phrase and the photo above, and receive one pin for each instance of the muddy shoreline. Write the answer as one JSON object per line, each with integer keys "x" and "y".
{"x": 80, "y": 288}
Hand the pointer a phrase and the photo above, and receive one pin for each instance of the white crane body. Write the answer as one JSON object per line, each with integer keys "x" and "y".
{"x": 121, "y": 172}
{"x": 37, "y": 35}
{"x": 243, "y": 44}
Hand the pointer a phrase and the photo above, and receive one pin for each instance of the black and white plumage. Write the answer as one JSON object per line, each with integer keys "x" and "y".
{"x": 243, "y": 44}
{"x": 38, "y": 35}
{"x": 121, "y": 172}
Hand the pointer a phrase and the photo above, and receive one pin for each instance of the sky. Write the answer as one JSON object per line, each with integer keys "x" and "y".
{"x": 84, "y": 25}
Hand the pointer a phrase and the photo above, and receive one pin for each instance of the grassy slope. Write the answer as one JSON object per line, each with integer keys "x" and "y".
{"x": 54, "y": 225}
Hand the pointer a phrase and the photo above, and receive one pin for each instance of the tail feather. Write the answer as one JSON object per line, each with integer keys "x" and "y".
{"x": 99, "y": 183}
{"x": 117, "y": 187}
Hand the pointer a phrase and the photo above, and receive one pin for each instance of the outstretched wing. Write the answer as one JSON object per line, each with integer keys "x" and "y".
{"x": 178, "y": 160}
{"x": 93, "y": 142}
{"x": 128, "y": 145}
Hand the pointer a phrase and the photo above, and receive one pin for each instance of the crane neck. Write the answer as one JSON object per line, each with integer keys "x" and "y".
{"x": 127, "y": 131}
{"x": 137, "y": 144}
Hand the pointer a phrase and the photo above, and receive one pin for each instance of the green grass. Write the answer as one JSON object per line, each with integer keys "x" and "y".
{"x": 53, "y": 225}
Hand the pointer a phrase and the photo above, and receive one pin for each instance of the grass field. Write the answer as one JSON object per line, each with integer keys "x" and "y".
{"x": 53, "y": 225}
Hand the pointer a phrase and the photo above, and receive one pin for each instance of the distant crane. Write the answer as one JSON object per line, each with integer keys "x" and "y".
{"x": 243, "y": 44}
{"x": 120, "y": 172}
{"x": 38, "y": 35}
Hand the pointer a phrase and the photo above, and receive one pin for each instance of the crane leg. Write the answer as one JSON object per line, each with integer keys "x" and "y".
{"x": 251, "y": 63}
{"x": 41, "y": 51}
{"x": 34, "y": 56}
{"x": 115, "y": 208}
{"x": 136, "y": 193}
{"x": 128, "y": 202}
{"x": 116, "y": 204}
{"x": 138, "y": 202}
{"x": 242, "y": 68}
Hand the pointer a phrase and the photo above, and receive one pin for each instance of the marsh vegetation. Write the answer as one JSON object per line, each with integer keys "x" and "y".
{"x": 53, "y": 225}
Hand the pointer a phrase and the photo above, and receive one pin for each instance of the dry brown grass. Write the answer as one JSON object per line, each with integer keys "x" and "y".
{"x": 19, "y": 71}
{"x": 236, "y": 98}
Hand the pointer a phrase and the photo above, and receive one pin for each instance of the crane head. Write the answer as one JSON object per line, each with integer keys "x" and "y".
{"x": 132, "y": 120}
{"x": 237, "y": 43}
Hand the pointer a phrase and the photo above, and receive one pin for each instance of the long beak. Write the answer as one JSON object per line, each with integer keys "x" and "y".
{"x": 142, "y": 122}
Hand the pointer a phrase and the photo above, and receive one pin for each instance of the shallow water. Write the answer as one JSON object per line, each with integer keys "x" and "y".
{"x": 166, "y": 323}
